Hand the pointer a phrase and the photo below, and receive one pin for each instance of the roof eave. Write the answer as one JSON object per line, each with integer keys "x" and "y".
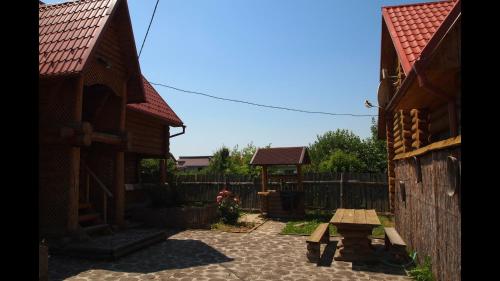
{"x": 395, "y": 40}
{"x": 159, "y": 118}
{"x": 428, "y": 50}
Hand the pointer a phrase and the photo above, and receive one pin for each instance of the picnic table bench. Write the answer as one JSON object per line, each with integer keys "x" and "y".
{"x": 320, "y": 235}
{"x": 394, "y": 243}
{"x": 355, "y": 225}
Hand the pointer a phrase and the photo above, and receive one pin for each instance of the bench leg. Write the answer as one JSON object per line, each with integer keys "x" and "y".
{"x": 326, "y": 237}
{"x": 313, "y": 252}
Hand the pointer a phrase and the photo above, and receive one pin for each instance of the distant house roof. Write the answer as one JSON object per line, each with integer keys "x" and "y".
{"x": 156, "y": 106}
{"x": 68, "y": 32}
{"x": 193, "y": 161}
{"x": 281, "y": 156}
{"x": 411, "y": 27}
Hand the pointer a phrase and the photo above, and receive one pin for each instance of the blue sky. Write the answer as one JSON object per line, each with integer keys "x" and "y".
{"x": 320, "y": 55}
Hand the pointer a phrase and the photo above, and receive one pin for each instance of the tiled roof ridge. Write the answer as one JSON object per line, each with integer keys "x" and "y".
{"x": 418, "y": 4}
{"x": 56, "y": 5}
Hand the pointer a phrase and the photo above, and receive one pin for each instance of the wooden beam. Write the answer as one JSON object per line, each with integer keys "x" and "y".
{"x": 452, "y": 115}
{"x": 107, "y": 138}
{"x": 264, "y": 178}
{"x": 74, "y": 160}
{"x": 444, "y": 144}
{"x": 299, "y": 178}
{"x": 119, "y": 181}
{"x": 163, "y": 171}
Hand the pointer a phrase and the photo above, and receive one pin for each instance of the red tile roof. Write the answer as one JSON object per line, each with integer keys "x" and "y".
{"x": 67, "y": 33}
{"x": 412, "y": 26}
{"x": 281, "y": 156}
{"x": 156, "y": 106}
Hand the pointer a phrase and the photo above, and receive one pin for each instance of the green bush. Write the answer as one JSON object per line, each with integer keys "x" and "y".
{"x": 422, "y": 272}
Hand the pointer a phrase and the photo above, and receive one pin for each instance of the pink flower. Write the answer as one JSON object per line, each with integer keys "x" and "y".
{"x": 219, "y": 198}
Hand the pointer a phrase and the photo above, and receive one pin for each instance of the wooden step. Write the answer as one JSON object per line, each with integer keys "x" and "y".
{"x": 98, "y": 228}
{"x": 88, "y": 217}
{"x": 82, "y": 206}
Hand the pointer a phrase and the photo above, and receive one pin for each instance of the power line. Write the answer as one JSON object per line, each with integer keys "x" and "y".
{"x": 151, "y": 21}
{"x": 263, "y": 105}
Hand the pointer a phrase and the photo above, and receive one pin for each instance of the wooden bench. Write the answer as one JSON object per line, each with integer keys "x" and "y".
{"x": 394, "y": 243}
{"x": 320, "y": 235}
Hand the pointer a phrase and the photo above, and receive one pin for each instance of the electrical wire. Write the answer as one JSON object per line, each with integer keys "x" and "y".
{"x": 263, "y": 105}
{"x": 151, "y": 21}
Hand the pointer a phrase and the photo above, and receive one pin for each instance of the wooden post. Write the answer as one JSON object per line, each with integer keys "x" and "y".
{"x": 74, "y": 169}
{"x": 341, "y": 190}
{"x": 105, "y": 207}
{"x": 452, "y": 115}
{"x": 119, "y": 181}
{"x": 163, "y": 172}
{"x": 264, "y": 178}
{"x": 299, "y": 178}
{"x": 87, "y": 187}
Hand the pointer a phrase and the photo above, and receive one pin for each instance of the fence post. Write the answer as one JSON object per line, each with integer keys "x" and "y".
{"x": 341, "y": 190}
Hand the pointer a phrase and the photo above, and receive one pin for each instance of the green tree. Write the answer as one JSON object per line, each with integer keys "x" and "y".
{"x": 342, "y": 149}
{"x": 240, "y": 160}
{"x": 341, "y": 161}
{"x": 374, "y": 153}
{"x": 220, "y": 162}
{"x": 331, "y": 141}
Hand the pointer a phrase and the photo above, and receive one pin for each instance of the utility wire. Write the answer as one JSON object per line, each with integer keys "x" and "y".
{"x": 263, "y": 105}
{"x": 151, "y": 21}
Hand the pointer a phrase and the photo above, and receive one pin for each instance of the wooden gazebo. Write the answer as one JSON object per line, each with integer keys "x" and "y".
{"x": 282, "y": 203}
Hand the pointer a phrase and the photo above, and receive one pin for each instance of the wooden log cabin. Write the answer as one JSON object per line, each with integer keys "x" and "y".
{"x": 419, "y": 116}
{"x": 92, "y": 98}
{"x": 149, "y": 124}
{"x": 281, "y": 203}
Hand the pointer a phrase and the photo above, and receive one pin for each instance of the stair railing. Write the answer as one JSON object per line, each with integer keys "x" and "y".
{"x": 105, "y": 192}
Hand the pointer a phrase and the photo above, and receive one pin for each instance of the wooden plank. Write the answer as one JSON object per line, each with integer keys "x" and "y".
{"x": 394, "y": 237}
{"x": 318, "y": 233}
{"x": 359, "y": 216}
{"x": 337, "y": 218}
{"x": 348, "y": 216}
{"x": 372, "y": 218}
{"x": 450, "y": 142}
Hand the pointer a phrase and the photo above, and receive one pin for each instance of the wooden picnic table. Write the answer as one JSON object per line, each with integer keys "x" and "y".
{"x": 355, "y": 226}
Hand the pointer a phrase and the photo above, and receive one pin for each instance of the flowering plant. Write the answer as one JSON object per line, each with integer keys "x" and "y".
{"x": 228, "y": 206}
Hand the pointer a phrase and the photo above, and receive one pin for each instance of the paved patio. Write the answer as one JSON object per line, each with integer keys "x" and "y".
{"x": 217, "y": 256}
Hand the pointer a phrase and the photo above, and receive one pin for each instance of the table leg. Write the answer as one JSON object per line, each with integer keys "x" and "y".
{"x": 355, "y": 245}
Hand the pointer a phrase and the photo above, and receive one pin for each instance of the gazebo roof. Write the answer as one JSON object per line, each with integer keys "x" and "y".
{"x": 281, "y": 156}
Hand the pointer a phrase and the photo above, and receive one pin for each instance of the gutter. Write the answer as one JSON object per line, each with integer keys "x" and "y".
{"x": 178, "y": 134}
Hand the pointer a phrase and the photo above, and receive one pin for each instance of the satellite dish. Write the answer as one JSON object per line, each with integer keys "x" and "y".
{"x": 384, "y": 90}
{"x": 453, "y": 174}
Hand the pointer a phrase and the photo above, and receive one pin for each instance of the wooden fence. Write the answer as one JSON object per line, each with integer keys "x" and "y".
{"x": 323, "y": 191}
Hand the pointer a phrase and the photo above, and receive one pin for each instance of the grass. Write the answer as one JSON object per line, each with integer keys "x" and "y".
{"x": 313, "y": 219}
{"x": 238, "y": 227}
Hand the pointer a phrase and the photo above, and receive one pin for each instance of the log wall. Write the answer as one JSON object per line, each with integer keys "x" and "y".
{"x": 149, "y": 136}
{"x": 427, "y": 218}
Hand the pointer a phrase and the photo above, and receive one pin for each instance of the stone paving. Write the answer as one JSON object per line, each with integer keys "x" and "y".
{"x": 206, "y": 255}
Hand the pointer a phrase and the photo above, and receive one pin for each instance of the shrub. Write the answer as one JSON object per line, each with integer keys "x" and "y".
{"x": 228, "y": 206}
{"x": 422, "y": 272}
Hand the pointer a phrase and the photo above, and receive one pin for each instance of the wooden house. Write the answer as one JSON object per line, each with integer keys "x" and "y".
{"x": 419, "y": 116}
{"x": 149, "y": 125}
{"x": 92, "y": 100}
